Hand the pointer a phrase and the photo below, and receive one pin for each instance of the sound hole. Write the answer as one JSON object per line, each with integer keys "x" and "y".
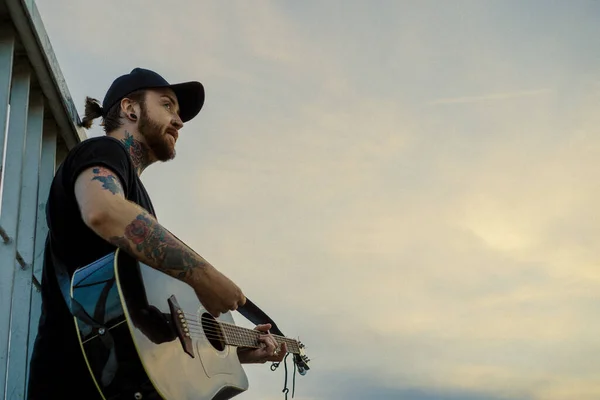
{"x": 213, "y": 331}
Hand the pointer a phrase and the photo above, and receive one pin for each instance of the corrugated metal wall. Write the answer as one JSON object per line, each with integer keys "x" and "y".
{"x": 31, "y": 140}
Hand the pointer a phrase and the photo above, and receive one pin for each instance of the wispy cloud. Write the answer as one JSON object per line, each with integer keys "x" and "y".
{"x": 493, "y": 96}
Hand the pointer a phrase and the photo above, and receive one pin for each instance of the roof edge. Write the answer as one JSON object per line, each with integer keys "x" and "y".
{"x": 30, "y": 28}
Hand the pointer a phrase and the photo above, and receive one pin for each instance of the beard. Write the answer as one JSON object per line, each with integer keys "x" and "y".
{"x": 158, "y": 142}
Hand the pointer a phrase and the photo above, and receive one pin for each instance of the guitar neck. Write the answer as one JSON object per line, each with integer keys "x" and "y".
{"x": 244, "y": 337}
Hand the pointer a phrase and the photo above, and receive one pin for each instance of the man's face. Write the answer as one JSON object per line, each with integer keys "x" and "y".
{"x": 159, "y": 123}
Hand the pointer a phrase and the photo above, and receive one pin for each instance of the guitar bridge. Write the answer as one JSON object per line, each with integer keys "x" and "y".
{"x": 180, "y": 325}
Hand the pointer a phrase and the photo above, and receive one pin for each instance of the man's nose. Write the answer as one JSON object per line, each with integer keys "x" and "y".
{"x": 177, "y": 123}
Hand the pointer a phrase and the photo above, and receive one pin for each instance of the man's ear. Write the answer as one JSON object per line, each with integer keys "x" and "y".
{"x": 130, "y": 109}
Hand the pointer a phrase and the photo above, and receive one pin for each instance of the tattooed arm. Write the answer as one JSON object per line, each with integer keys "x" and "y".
{"x": 105, "y": 210}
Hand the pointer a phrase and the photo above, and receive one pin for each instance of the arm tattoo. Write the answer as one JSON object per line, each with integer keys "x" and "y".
{"x": 146, "y": 237}
{"x": 108, "y": 179}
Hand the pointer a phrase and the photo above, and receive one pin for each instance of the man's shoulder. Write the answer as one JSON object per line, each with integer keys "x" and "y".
{"x": 95, "y": 151}
{"x": 97, "y": 142}
{"x": 103, "y": 147}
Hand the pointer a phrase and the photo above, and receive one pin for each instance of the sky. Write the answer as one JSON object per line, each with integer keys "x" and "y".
{"x": 408, "y": 187}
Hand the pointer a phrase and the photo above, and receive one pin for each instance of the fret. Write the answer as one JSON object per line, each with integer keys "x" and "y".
{"x": 226, "y": 334}
{"x": 243, "y": 337}
{"x": 235, "y": 336}
{"x": 292, "y": 345}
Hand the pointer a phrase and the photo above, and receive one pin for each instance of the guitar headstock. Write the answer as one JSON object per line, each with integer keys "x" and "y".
{"x": 302, "y": 360}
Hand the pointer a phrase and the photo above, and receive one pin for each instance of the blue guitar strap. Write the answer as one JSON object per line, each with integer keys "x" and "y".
{"x": 77, "y": 310}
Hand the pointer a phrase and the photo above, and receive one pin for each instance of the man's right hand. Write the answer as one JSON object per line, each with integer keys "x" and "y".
{"x": 217, "y": 293}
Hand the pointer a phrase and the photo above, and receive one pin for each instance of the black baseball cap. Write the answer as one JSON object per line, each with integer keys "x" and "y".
{"x": 190, "y": 95}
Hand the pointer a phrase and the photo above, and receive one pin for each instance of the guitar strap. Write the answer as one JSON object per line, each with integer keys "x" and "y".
{"x": 77, "y": 310}
{"x": 257, "y": 316}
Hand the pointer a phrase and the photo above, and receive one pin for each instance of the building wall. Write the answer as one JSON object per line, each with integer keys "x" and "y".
{"x": 38, "y": 123}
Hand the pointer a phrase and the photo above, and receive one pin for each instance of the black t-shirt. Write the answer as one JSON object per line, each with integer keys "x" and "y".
{"x": 58, "y": 369}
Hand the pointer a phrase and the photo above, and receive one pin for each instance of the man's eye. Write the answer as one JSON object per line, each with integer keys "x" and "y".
{"x": 168, "y": 105}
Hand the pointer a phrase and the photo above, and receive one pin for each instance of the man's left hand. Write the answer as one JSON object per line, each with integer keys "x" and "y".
{"x": 270, "y": 350}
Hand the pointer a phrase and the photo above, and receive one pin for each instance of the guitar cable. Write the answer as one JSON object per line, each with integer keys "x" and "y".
{"x": 285, "y": 390}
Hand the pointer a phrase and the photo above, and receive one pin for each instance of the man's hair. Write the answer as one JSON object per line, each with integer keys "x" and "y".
{"x": 112, "y": 119}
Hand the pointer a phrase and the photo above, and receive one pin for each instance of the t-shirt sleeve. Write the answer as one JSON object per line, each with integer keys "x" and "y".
{"x": 106, "y": 153}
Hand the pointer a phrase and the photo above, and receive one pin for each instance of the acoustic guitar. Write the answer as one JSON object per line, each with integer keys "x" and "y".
{"x": 145, "y": 335}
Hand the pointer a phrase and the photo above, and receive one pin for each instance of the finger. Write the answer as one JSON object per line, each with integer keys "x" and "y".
{"x": 279, "y": 357}
{"x": 213, "y": 312}
{"x": 275, "y": 342}
{"x": 281, "y": 349}
{"x": 270, "y": 339}
{"x": 263, "y": 327}
{"x": 270, "y": 344}
{"x": 281, "y": 353}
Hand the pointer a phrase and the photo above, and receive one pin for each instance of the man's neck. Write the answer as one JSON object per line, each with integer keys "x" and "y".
{"x": 137, "y": 149}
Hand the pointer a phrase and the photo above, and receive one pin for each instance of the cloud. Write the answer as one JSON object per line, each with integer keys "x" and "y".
{"x": 493, "y": 96}
{"x": 419, "y": 252}
{"x": 460, "y": 273}
{"x": 347, "y": 385}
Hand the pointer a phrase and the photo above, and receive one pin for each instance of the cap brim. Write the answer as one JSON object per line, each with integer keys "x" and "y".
{"x": 190, "y": 96}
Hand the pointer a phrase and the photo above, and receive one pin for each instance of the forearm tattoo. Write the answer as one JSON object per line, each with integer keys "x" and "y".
{"x": 109, "y": 181}
{"x": 146, "y": 237}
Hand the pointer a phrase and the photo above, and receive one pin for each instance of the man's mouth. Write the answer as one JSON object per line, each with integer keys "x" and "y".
{"x": 173, "y": 133}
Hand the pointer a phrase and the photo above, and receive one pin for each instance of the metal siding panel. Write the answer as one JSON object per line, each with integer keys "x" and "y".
{"x": 19, "y": 104}
{"x": 47, "y": 168}
{"x": 7, "y": 49}
{"x": 21, "y": 299}
{"x": 32, "y": 34}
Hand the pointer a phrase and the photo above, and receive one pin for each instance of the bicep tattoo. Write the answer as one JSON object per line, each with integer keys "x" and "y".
{"x": 108, "y": 179}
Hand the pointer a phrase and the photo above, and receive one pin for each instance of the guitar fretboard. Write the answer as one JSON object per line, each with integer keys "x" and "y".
{"x": 244, "y": 337}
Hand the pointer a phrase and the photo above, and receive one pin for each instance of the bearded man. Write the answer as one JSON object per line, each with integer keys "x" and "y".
{"x": 98, "y": 204}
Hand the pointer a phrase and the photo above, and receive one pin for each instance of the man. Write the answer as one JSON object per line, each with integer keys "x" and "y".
{"x": 97, "y": 203}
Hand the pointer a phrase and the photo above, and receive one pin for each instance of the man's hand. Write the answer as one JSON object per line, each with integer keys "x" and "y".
{"x": 217, "y": 293}
{"x": 270, "y": 351}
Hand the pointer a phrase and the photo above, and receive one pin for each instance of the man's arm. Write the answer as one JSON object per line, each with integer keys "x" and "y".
{"x": 105, "y": 210}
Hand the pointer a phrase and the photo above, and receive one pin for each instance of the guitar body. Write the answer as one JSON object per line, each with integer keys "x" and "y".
{"x": 136, "y": 347}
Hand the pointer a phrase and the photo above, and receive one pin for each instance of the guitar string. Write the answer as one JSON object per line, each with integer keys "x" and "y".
{"x": 223, "y": 334}
{"x": 212, "y": 330}
{"x": 218, "y": 333}
{"x": 215, "y": 328}
{"x": 224, "y": 324}
{"x": 198, "y": 335}
{"x": 212, "y": 336}
{"x": 231, "y": 341}
{"x": 218, "y": 330}
{"x": 244, "y": 339}
{"x": 195, "y": 320}
{"x": 191, "y": 320}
